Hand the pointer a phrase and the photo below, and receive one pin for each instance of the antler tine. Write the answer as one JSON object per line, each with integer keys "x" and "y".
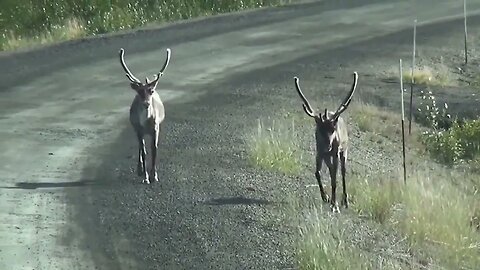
{"x": 348, "y": 99}
{"x": 306, "y": 105}
{"x": 169, "y": 53}
{"x": 167, "y": 61}
{"x": 129, "y": 74}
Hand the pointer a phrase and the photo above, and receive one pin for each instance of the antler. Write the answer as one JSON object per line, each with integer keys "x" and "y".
{"x": 129, "y": 74}
{"x": 306, "y": 105}
{"x": 169, "y": 53}
{"x": 348, "y": 99}
{"x": 159, "y": 74}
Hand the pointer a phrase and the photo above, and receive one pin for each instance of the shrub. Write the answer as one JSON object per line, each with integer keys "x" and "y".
{"x": 449, "y": 140}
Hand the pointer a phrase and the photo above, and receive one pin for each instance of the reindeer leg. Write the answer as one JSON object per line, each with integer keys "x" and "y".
{"x": 144, "y": 158}
{"x": 319, "y": 180}
{"x": 332, "y": 164}
{"x": 343, "y": 163}
{"x": 154, "y": 147}
{"x": 140, "y": 171}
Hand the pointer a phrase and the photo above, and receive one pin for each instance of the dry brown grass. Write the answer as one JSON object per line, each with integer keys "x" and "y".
{"x": 433, "y": 74}
{"x": 380, "y": 124}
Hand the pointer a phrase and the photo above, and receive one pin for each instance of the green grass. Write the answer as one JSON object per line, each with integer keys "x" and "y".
{"x": 323, "y": 244}
{"x": 371, "y": 118}
{"x": 71, "y": 29}
{"x": 375, "y": 199}
{"x": 27, "y": 23}
{"x": 274, "y": 147}
{"x": 434, "y": 214}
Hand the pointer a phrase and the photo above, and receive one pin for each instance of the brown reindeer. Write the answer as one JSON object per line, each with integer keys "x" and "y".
{"x": 331, "y": 139}
{"x": 146, "y": 116}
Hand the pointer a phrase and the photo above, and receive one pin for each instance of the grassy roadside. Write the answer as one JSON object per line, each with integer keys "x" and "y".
{"x": 436, "y": 216}
{"x": 27, "y": 23}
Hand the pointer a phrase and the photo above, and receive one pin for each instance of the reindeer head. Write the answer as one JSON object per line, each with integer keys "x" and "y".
{"x": 144, "y": 90}
{"x": 326, "y": 123}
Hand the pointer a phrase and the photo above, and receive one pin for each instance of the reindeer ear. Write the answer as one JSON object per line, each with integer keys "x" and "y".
{"x": 334, "y": 122}
{"x": 135, "y": 86}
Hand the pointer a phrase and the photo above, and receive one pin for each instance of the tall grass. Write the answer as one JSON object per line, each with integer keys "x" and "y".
{"x": 434, "y": 214}
{"x": 274, "y": 147}
{"x": 323, "y": 244}
{"x": 33, "y": 19}
{"x": 375, "y": 199}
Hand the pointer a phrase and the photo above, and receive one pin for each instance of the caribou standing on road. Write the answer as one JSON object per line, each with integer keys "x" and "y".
{"x": 331, "y": 139}
{"x": 146, "y": 116}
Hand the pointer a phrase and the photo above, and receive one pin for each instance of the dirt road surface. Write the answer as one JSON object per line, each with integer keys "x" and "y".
{"x": 69, "y": 198}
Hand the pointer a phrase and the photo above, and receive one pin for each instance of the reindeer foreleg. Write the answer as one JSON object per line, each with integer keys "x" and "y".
{"x": 154, "y": 149}
{"x": 332, "y": 164}
{"x": 343, "y": 163}
{"x": 142, "y": 156}
{"x": 318, "y": 172}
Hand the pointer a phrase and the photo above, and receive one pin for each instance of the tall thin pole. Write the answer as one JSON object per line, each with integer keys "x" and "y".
{"x": 465, "y": 21}
{"x": 413, "y": 79}
{"x": 403, "y": 124}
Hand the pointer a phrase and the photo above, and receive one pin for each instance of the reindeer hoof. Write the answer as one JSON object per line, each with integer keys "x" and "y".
{"x": 334, "y": 208}
{"x": 145, "y": 179}
{"x": 154, "y": 177}
{"x": 345, "y": 202}
{"x": 325, "y": 198}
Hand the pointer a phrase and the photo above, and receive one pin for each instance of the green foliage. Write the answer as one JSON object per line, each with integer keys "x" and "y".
{"x": 27, "y": 18}
{"x": 432, "y": 116}
{"x": 449, "y": 141}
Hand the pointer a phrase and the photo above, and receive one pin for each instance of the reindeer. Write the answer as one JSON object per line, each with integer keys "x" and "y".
{"x": 146, "y": 116}
{"x": 331, "y": 139}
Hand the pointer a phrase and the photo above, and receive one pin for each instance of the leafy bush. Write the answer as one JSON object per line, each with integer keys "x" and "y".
{"x": 432, "y": 116}
{"x": 449, "y": 140}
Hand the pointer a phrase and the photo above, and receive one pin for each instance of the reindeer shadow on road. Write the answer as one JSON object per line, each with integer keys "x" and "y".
{"x": 50, "y": 185}
{"x": 237, "y": 200}
{"x": 241, "y": 200}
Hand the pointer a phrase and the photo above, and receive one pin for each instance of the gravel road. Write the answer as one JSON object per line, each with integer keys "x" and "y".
{"x": 69, "y": 196}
